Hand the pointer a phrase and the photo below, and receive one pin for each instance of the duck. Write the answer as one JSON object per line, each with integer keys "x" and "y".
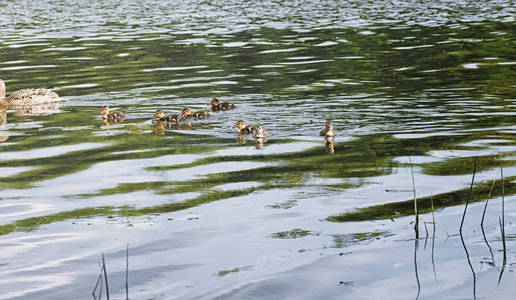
{"x": 260, "y": 133}
{"x": 216, "y": 105}
{"x": 329, "y": 145}
{"x": 201, "y": 114}
{"x": 111, "y": 115}
{"x": 159, "y": 115}
{"x": 328, "y": 130}
{"x": 27, "y": 97}
{"x": 244, "y": 129}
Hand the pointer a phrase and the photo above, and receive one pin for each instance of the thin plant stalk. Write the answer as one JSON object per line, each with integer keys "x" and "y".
{"x": 416, "y": 243}
{"x": 416, "y": 212}
{"x": 503, "y": 199}
{"x": 99, "y": 281}
{"x": 470, "y": 266}
{"x": 433, "y": 237}
{"x": 482, "y": 222}
{"x": 127, "y": 272}
{"x": 469, "y": 197}
{"x": 502, "y": 230}
{"x": 105, "y": 275}
{"x": 503, "y": 217}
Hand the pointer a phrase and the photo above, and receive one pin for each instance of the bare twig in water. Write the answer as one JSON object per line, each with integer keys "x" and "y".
{"x": 433, "y": 237}
{"x": 99, "y": 281}
{"x": 127, "y": 272}
{"x": 502, "y": 230}
{"x": 416, "y": 243}
{"x": 426, "y": 237}
{"x": 503, "y": 206}
{"x": 487, "y": 201}
{"x": 105, "y": 275}
{"x": 482, "y": 222}
{"x": 503, "y": 219}
{"x": 469, "y": 197}
{"x": 416, "y": 224}
{"x": 470, "y": 266}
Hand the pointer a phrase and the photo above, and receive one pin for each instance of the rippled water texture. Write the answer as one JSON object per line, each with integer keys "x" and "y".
{"x": 417, "y": 90}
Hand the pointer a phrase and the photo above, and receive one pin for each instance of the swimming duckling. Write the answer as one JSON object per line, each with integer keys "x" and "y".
{"x": 217, "y": 106}
{"x": 244, "y": 129}
{"x": 328, "y": 130}
{"x": 27, "y": 97}
{"x": 160, "y": 127}
{"x": 187, "y": 112}
{"x": 260, "y": 132}
{"x": 111, "y": 115}
{"x": 329, "y": 145}
{"x": 159, "y": 115}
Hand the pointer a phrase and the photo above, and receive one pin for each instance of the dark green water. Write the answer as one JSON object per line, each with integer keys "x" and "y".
{"x": 207, "y": 215}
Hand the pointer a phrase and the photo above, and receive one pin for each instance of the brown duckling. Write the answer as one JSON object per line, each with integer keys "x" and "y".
{"x": 329, "y": 145}
{"x": 201, "y": 114}
{"x": 216, "y": 105}
{"x": 328, "y": 130}
{"x": 260, "y": 133}
{"x": 245, "y": 129}
{"x": 159, "y": 115}
{"x": 111, "y": 115}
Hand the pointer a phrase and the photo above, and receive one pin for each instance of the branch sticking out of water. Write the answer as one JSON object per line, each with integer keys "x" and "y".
{"x": 502, "y": 230}
{"x": 105, "y": 275}
{"x": 503, "y": 205}
{"x": 482, "y": 222}
{"x": 99, "y": 281}
{"x": 416, "y": 224}
{"x": 433, "y": 237}
{"x": 416, "y": 245}
{"x": 469, "y": 197}
{"x": 470, "y": 266}
{"x": 127, "y": 272}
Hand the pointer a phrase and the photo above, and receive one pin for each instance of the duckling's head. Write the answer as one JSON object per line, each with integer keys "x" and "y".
{"x": 105, "y": 110}
{"x": 159, "y": 114}
{"x": 329, "y": 124}
{"x": 186, "y": 112}
{"x": 215, "y": 102}
{"x": 240, "y": 125}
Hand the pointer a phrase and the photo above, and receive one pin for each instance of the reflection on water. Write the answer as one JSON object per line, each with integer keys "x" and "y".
{"x": 430, "y": 81}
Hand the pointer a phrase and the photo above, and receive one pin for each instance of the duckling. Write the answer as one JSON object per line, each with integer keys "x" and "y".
{"x": 328, "y": 130}
{"x": 202, "y": 114}
{"x": 217, "y": 106}
{"x": 187, "y": 112}
{"x": 244, "y": 129}
{"x": 260, "y": 132}
{"x": 160, "y": 127}
{"x": 329, "y": 145}
{"x": 159, "y": 115}
{"x": 27, "y": 97}
{"x": 111, "y": 115}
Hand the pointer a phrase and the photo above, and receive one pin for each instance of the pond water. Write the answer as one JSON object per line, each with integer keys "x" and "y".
{"x": 421, "y": 94}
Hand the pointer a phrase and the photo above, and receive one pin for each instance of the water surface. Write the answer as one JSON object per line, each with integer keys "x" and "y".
{"x": 416, "y": 87}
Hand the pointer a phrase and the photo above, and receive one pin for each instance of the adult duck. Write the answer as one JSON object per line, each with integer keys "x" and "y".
{"x": 27, "y": 97}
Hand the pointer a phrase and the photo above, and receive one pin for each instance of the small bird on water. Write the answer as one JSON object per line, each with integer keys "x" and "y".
{"x": 216, "y": 105}
{"x": 111, "y": 115}
{"x": 27, "y": 97}
{"x": 328, "y": 130}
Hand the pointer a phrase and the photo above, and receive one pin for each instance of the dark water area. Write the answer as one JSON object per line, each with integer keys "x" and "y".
{"x": 418, "y": 92}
